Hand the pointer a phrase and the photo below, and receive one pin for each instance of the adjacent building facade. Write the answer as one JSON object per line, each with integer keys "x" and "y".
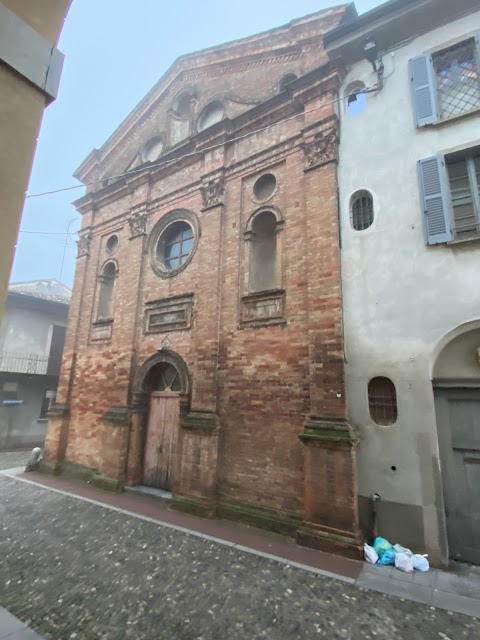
{"x": 409, "y": 176}
{"x": 32, "y": 335}
{"x": 30, "y": 68}
{"x": 204, "y": 353}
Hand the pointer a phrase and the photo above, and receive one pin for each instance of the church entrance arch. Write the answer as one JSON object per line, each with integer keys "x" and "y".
{"x": 161, "y": 383}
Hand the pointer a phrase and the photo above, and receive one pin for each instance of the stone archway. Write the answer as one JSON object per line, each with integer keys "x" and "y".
{"x": 161, "y": 385}
{"x": 456, "y": 386}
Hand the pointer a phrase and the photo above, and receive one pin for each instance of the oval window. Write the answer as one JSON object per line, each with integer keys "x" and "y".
{"x": 361, "y": 210}
{"x": 382, "y": 401}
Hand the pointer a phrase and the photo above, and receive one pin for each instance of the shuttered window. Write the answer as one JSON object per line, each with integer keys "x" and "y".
{"x": 464, "y": 178}
{"x": 435, "y": 199}
{"x": 450, "y": 192}
{"x": 447, "y": 83}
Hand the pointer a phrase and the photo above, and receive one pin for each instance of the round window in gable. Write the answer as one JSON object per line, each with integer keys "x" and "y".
{"x": 361, "y": 210}
{"x": 264, "y": 187}
{"x": 111, "y": 244}
{"x": 152, "y": 150}
{"x": 211, "y": 114}
{"x": 173, "y": 242}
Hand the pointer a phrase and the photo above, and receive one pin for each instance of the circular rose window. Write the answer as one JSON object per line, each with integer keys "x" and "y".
{"x": 173, "y": 242}
{"x": 264, "y": 187}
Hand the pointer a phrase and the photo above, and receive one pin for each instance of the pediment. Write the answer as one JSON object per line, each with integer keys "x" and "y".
{"x": 202, "y": 88}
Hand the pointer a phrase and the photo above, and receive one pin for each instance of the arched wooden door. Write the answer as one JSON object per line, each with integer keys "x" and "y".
{"x": 161, "y": 440}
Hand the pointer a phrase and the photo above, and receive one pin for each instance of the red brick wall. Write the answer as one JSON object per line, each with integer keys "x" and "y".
{"x": 261, "y": 382}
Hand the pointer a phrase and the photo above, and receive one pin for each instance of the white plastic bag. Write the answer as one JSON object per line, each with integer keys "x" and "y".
{"x": 399, "y": 549}
{"x": 420, "y": 563}
{"x": 404, "y": 562}
{"x": 370, "y": 554}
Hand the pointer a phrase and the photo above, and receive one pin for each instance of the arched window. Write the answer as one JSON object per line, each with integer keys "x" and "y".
{"x": 106, "y": 290}
{"x": 263, "y": 271}
{"x": 382, "y": 401}
{"x": 164, "y": 377}
{"x": 210, "y": 115}
{"x": 361, "y": 210}
{"x": 181, "y": 117}
{"x": 355, "y": 98}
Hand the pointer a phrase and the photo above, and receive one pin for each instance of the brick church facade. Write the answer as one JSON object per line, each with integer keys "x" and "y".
{"x": 204, "y": 352}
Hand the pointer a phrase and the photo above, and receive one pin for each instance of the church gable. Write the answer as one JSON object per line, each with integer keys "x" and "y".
{"x": 204, "y": 88}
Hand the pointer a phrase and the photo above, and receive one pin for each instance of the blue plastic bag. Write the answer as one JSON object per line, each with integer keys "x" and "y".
{"x": 381, "y": 545}
{"x": 387, "y": 557}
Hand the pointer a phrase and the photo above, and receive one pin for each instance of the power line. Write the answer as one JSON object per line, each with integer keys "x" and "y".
{"x": 194, "y": 153}
{"x": 46, "y": 233}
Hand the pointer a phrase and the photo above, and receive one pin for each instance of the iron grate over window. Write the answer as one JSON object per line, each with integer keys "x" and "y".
{"x": 362, "y": 210}
{"x": 382, "y": 401}
{"x": 458, "y": 80}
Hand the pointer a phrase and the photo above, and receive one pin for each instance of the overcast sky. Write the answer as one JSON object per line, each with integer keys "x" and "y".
{"x": 115, "y": 51}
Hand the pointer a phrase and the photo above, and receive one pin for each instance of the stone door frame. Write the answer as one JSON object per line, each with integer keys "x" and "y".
{"x": 140, "y": 398}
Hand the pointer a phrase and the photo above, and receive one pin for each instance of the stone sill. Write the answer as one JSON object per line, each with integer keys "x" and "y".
{"x": 445, "y": 121}
{"x": 103, "y": 322}
{"x": 466, "y": 240}
{"x": 255, "y": 324}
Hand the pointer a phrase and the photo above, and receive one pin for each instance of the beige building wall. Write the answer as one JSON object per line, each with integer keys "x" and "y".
{"x": 21, "y": 110}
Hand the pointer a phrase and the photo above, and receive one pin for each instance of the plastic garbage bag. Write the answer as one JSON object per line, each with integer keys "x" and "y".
{"x": 399, "y": 549}
{"x": 370, "y": 554}
{"x": 404, "y": 562}
{"x": 381, "y": 545}
{"x": 420, "y": 563}
{"x": 388, "y": 557}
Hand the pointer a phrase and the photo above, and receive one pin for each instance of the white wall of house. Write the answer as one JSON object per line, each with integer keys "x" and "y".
{"x": 402, "y": 298}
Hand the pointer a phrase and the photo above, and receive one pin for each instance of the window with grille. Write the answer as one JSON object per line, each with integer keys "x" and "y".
{"x": 447, "y": 83}
{"x": 382, "y": 401}
{"x": 464, "y": 179}
{"x": 361, "y": 210}
{"x": 457, "y": 79}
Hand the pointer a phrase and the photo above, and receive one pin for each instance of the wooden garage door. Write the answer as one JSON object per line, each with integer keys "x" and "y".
{"x": 458, "y": 420}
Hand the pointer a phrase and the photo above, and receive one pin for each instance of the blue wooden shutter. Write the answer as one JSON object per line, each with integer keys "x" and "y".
{"x": 423, "y": 90}
{"x": 435, "y": 196}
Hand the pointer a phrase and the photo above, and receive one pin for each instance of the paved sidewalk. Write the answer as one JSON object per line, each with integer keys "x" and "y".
{"x": 12, "y": 628}
{"x": 89, "y": 567}
{"x": 457, "y": 590}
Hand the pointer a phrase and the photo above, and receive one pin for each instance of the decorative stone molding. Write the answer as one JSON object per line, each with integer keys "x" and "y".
{"x": 119, "y": 415}
{"x": 83, "y": 246}
{"x": 320, "y": 430}
{"x": 213, "y": 192}
{"x": 263, "y": 308}
{"x": 101, "y": 330}
{"x": 321, "y": 149}
{"x": 138, "y": 224}
{"x": 170, "y": 314}
{"x": 204, "y": 420}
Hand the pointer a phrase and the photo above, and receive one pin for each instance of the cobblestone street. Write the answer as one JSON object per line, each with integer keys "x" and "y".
{"x": 76, "y": 570}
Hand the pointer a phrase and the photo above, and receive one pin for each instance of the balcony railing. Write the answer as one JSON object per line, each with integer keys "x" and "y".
{"x": 30, "y": 363}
